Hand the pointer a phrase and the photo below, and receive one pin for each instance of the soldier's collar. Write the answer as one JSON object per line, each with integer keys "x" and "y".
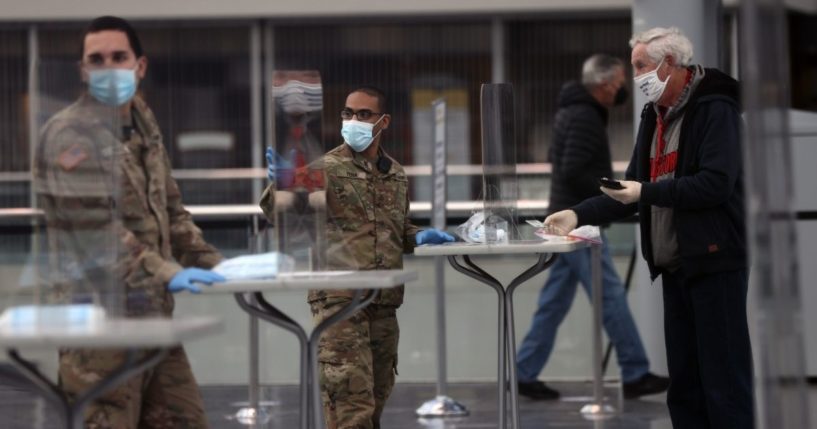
{"x": 142, "y": 122}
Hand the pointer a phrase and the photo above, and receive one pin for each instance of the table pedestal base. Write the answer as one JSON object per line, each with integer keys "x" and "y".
{"x": 311, "y": 407}
{"x": 74, "y": 411}
{"x": 506, "y": 366}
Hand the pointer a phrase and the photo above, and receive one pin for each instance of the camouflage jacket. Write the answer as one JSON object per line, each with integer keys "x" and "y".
{"x": 367, "y": 218}
{"x": 114, "y": 215}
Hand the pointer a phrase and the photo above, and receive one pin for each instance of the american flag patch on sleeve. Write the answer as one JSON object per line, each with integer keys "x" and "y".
{"x": 70, "y": 158}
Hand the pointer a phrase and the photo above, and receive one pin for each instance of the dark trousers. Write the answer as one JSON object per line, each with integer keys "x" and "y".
{"x": 708, "y": 351}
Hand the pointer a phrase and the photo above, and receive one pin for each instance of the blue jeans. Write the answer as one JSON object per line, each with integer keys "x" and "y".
{"x": 555, "y": 300}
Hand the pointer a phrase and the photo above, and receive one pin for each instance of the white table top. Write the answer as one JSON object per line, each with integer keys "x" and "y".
{"x": 514, "y": 247}
{"x": 115, "y": 333}
{"x": 375, "y": 279}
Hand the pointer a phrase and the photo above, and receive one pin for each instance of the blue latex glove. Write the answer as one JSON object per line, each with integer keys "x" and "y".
{"x": 433, "y": 236}
{"x": 279, "y": 169}
{"x": 183, "y": 280}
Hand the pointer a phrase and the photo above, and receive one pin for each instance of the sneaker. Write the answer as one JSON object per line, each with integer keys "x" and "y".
{"x": 537, "y": 390}
{"x": 648, "y": 384}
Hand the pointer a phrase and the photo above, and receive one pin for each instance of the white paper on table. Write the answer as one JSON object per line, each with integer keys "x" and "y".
{"x": 590, "y": 233}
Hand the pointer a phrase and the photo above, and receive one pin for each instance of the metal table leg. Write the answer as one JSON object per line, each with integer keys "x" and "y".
{"x": 597, "y": 409}
{"x": 272, "y": 315}
{"x": 442, "y": 405}
{"x": 545, "y": 261}
{"x": 74, "y": 412}
{"x": 311, "y": 412}
{"x": 506, "y": 354}
{"x": 475, "y": 272}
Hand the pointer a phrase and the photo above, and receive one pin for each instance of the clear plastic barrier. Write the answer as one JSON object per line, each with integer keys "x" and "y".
{"x": 300, "y": 197}
{"x": 73, "y": 251}
{"x": 499, "y": 184}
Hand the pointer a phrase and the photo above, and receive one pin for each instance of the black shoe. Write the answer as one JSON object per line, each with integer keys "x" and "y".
{"x": 537, "y": 390}
{"x": 648, "y": 384}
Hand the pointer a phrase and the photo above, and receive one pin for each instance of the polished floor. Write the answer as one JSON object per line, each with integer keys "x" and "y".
{"x": 20, "y": 409}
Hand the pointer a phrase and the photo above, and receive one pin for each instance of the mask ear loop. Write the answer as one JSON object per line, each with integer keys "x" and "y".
{"x": 656, "y": 72}
{"x": 380, "y": 130}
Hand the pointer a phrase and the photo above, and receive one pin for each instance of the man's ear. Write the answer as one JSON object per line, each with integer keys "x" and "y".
{"x": 141, "y": 67}
{"x": 386, "y": 121}
{"x": 83, "y": 75}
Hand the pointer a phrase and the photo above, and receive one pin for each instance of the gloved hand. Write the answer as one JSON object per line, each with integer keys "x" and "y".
{"x": 184, "y": 279}
{"x": 317, "y": 200}
{"x": 284, "y": 200}
{"x": 562, "y": 221}
{"x": 433, "y": 236}
{"x": 630, "y": 194}
{"x": 279, "y": 169}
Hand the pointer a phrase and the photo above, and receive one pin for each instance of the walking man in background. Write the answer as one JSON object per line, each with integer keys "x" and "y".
{"x": 580, "y": 155}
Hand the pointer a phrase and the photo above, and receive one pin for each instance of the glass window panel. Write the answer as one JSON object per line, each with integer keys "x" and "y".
{"x": 14, "y": 108}
{"x": 543, "y": 54}
{"x": 197, "y": 85}
{"x": 414, "y": 63}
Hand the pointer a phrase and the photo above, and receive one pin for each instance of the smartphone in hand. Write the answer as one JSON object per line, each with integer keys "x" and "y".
{"x": 611, "y": 184}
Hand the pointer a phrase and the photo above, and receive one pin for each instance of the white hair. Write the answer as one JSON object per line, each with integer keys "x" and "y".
{"x": 661, "y": 42}
{"x": 599, "y": 69}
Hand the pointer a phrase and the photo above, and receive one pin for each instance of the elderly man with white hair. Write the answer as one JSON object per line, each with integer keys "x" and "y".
{"x": 685, "y": 180}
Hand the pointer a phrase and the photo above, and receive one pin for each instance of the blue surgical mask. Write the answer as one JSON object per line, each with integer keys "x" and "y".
{"x": 358, "y": 135}
{"x": 113, "y": 87}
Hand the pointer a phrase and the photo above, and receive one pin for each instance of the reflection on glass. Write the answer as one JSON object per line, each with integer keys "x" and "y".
{"x": 77, "y": 254}
{"x": 299, "y": 194}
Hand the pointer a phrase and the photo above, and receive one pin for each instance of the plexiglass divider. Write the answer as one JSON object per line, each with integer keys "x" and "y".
{"x": 77, "y": 251}
{"x": 499, "y": 182}
{"x": 300, "y": 197}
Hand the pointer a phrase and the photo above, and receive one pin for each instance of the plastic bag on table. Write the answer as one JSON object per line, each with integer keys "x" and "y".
{"x": 261, "y": 266}
{"x": 479, "y": 229}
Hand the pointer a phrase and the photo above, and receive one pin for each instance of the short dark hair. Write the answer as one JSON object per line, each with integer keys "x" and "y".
{"x": 376, "y": 93}
{"x": 112, "y": 23}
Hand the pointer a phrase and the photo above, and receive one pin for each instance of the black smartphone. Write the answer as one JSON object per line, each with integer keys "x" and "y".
{"x": 609, "y": 183}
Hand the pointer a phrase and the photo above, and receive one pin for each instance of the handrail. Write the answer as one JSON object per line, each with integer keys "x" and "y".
{"x": 261, "y": 173}
{"x": 232, "y": 211}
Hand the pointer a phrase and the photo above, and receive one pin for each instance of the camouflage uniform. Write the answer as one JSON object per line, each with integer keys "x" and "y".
{"x": 114, "y": 217}
{"x": 367, "y": 229}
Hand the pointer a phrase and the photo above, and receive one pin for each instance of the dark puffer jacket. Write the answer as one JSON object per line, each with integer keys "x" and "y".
{"x": 579, "y": 152}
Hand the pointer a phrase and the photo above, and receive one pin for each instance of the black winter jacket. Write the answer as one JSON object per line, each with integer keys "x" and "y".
{"x": 579, "y": 151}
{"x": 707, "y": 192}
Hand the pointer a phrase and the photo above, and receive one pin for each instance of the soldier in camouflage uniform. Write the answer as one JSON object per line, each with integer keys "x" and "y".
{"x": 102, "y": 175}
{"x": 367, "y": 229}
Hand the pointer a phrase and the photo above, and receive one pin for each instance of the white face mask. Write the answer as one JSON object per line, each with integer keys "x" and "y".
{"x": 651, "y": 85}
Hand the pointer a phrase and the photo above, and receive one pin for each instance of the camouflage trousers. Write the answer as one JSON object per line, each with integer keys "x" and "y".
{"x": 357, "y": 363}
{"x": 165, "y": 396}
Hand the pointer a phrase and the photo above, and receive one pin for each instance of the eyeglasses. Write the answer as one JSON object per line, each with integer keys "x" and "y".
{"x": 362, "y": 114}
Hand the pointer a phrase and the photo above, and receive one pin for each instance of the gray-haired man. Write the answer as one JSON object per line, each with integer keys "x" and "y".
{"x": 685, "y": 180}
